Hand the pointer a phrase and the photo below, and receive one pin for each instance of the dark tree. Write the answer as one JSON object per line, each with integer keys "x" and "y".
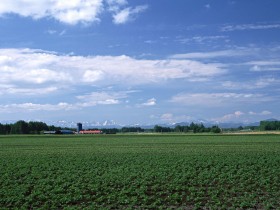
{"x": 20, "y": 127}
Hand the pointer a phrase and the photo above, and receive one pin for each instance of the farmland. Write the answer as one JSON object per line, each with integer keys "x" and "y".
{"x": 140, "y": 172}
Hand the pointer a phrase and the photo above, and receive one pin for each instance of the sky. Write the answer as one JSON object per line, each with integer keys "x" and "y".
{"x": 140, "y": 61}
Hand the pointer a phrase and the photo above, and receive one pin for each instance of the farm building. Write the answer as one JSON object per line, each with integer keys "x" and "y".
{"x": 79, "y": 127}
{"x": 50, "y": 132}
{"x": 59, "y": 132}
{"x": 91, "y": 132}
{"x": 66, "y": 132}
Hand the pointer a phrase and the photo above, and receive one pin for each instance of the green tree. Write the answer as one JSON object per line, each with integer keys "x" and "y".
{"x": 216, "y": 129}
{"x": 179, "y": 128}
{"x": 37, "y": 127}
{"x": 20, "y": 127}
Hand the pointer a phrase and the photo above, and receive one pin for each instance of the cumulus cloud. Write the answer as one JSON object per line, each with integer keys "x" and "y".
{"x": 25, "y": 67}
{"x": 70, "y": 11}
{"x": 92, "y": 76}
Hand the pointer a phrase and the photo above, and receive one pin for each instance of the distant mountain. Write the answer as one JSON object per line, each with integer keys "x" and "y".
{"x": 182, "y": 124}
{"x": 113, "y": 124}
{"x": 271, "y": 120}
{"x": 86, "y": 124}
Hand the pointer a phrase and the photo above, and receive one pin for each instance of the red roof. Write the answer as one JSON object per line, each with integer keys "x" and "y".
{"x": 91, "y": 132}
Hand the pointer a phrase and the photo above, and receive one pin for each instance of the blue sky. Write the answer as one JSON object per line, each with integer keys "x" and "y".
{"x": 140, "y": 61}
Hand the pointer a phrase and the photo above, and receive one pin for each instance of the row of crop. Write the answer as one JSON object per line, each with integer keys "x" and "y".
{"x": 140, "y": 174}
{"x": 153, "y": 184}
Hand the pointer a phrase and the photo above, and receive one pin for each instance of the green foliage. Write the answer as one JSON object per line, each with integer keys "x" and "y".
{"x": 193, "y": 127}
{"x": 131, "y": 129}
{"x": 216, "y": 129}
{"x": 37, "y": 127}
{"x": 20, "y": 127}
{"x": 269, "y": 125}
{"x": 5, "y": 129}
{"x": 160, "y": 129}
{"x": 140, "y": 172}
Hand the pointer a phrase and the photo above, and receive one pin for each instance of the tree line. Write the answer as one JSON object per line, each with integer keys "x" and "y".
{"x": 22, "y": 127}
{"x": 193, "y": 127}
{"x": 269, "y": 125}
{"x": 32, "y": 127}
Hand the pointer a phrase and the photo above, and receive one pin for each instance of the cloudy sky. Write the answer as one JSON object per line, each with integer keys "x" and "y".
{"x": 139, "y": 61}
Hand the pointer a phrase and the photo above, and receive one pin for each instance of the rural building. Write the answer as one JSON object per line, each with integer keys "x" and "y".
{"x": 59, "y": 132}
{"x": 79, "y": 127}
{"x": 91, "y": 132}
{"x": 50, "y": 132}
{"x": 66, "y": 132}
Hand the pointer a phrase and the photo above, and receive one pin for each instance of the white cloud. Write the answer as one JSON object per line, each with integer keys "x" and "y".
{"x": 251, "y": 85}
{"x": 250, "y": 27}
{"x": 260, "y": 113}
{"x": 202, "y": 39}
{"x": 172, "y": 118}
{"x": 265, "y": 65}
{"x": 70, "y": 11}
{"x": 240, "y": 116}
{"x": 11, "y": 108}
{"x": 11, "y": 90}
{"x": 264, "y": 62}
{"x": 25, "y": 67}
{"x": 128, "y": 14}
{"x": 230, "y": 117}
{"x": 149, "y": 102}
{"x": 88, "y": 100}
{"x": 115, "y": 5}
{"x": 92, "y": 76}
{"x": 54, "y": 32}
{"x": 264, "y": 68}
{"x": 217, "y": 99}
{"x": 214, "y": 54}
{"x": 105, "y": 98}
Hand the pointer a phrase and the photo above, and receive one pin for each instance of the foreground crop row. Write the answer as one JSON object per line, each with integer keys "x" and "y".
{"x": 140, "y": 172}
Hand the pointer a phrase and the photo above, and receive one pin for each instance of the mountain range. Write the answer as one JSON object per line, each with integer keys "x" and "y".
{"x": 113, "y": 124}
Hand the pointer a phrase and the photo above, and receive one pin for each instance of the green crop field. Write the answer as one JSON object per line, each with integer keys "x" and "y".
{"x": 140, "y": 172}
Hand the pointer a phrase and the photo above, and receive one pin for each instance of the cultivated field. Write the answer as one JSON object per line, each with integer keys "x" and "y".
{"x": 140, "y": 172}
